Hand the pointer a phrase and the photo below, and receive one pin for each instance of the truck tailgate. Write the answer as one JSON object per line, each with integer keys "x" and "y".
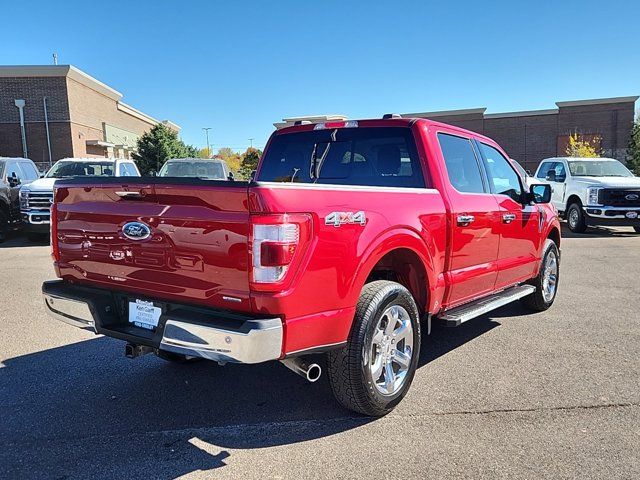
{"x": 195, "y": 248}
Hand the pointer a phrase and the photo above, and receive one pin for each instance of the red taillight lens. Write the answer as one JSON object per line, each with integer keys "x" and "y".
{"x": 53, "y": 229}
{"x": 276, "y": 254}
{"x": 275, "y": 246}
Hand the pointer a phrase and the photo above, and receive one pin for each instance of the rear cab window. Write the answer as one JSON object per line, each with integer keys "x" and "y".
{"x": 462, "y": 164}
{"x": 367, "y": 156}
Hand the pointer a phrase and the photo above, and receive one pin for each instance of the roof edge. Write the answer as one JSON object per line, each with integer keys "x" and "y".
{"x": 598, "y": 101}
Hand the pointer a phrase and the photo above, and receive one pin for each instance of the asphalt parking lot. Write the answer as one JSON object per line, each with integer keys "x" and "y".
{"x": 508, "y": 395}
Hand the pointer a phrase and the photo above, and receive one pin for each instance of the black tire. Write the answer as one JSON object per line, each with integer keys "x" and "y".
{"x": 350, "y": 375}
{"x": 175, "y": 357}
{"x": 575, "y": 218}
{"x": 4, "y": 225}
{"x": 537, "y": 300}
{"x": 637, "y": 229}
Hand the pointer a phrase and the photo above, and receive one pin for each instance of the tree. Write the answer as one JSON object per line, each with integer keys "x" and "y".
{"x": 158, "y": 145}
{"x": 232, "y": 158}
{"x": 204, "y": 153}
{"x": 633, "y": 162}
{"x": 583, "y": 147}
{"x": 249, "y": 162}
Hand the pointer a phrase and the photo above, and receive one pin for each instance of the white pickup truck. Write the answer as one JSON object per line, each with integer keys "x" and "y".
{"x": 592, "y": 191}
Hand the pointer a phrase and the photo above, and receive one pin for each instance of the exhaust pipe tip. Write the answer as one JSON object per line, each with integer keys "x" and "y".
{"x": 314, "y": 372}
{"x": 309, "y": 371}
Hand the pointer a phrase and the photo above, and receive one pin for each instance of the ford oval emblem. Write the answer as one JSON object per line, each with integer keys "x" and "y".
{"x": 136, "y": 231}
{"x": 632, "y": 196}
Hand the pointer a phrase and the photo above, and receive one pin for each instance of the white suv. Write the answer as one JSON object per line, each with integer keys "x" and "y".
{"x": 592, "y": 191}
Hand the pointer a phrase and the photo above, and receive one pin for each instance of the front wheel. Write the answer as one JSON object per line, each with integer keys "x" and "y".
{"x": 373, "y": 372}
{"x": 637, "y": 229}
{"x": 546, "y": 282}
{"x": 575, "y": 219}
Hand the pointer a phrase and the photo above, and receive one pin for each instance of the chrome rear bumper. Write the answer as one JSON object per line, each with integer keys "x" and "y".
{"x": 70, "y": 311}
{"x": 250, "y": 341}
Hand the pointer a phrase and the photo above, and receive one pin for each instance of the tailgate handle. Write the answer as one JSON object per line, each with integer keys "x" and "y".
{"x": 139, "y": 194}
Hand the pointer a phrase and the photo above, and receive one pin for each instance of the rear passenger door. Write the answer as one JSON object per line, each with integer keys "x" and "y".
{"x": 474, "y": 221}
{"x": 519, "y": 222}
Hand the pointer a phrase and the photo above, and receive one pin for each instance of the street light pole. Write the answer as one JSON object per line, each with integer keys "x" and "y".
{"x": 206, "y": 131}
{"x": 251, "y": 140}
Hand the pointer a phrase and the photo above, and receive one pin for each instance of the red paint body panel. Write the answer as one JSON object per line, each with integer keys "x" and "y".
{"x": 201, "y": 248}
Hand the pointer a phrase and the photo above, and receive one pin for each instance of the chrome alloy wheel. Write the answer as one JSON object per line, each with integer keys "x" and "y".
{"x": 549, "y": 276}
{"x": 391, "y": 350}
{"x": 573, "y": 218}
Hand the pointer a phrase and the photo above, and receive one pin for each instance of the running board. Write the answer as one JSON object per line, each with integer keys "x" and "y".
{"x": 458, "y": 315}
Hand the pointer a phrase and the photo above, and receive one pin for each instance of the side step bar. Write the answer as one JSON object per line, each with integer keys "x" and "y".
{"x": 458, "y": 315}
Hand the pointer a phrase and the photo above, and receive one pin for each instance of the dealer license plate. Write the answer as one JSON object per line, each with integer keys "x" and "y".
{"x": 144, "y": 314}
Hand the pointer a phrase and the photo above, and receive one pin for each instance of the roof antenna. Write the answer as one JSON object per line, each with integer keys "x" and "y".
{"x": 55, "y": 58}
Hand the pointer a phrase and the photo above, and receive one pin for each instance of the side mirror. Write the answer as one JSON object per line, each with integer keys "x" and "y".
{"x": 551, "y": 176}
{"x": 540, "y": 193}
{"x": 253, "y": 175}
{"x": 529, "y": 172}
{"x": 13, "y": 180}
{"x": 230, "y": 177}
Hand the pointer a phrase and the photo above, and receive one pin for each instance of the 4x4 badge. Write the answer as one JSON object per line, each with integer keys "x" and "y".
{"x": 339, "y": 218}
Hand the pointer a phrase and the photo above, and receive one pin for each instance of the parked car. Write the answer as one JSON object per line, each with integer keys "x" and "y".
{"x": 210, "y": 169}
{"x": 351, "y": 233}
{"x": 592, "y": 191}
{"x": 36, "y": 197}
{"x": 13, "y": 172}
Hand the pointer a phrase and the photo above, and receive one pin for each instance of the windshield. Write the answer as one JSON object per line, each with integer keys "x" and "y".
{"x": 80, "y": 169}
{"x": 598, "y": 168}
{"x": 206, "y": 169}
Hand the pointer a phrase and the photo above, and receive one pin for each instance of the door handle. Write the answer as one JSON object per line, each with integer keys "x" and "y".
{"x": 508, "y": 217}
{"x": 139, "y": 194}
{"x": 464, "y": 220}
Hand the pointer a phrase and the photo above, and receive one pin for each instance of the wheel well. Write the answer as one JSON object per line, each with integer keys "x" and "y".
{"x": 573, "y": 199}
{"x": 405, "y": 267}
{"x": 554, "y": 235}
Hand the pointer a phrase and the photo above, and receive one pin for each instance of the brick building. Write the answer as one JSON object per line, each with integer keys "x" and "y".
{"x": 531, "y": 136}
{"x": 85, "y": 117}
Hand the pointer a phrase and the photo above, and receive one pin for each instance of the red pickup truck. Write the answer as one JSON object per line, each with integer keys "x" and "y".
{"x": 351, "y": 235}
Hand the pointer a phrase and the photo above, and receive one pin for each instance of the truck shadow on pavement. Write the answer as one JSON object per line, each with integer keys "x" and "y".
{"x": 85, "y": 410}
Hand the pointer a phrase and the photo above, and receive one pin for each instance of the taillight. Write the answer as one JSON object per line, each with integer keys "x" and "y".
{"x": 53, "y": 229}
{"x": 277, "y": 244}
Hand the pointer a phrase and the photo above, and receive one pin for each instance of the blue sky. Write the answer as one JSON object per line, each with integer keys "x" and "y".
{"x": 240, "y": 66}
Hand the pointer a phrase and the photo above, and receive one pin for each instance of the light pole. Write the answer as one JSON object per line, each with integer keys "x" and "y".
{"x": 251, "y": 140}
{"x": 206, "y": 131}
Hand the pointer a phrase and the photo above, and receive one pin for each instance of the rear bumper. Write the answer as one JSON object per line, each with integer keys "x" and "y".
{"x": 197, "y": 332}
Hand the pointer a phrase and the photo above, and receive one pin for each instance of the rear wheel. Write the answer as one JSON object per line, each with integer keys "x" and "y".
{"x": 575, "y": 218}
{"x": 373, "y": 372}
{"x": 546, "y": 282}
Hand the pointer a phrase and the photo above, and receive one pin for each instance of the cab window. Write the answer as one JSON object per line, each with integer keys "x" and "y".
{"x": 503, "y": 179}
{"x": 462, "y": 165}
